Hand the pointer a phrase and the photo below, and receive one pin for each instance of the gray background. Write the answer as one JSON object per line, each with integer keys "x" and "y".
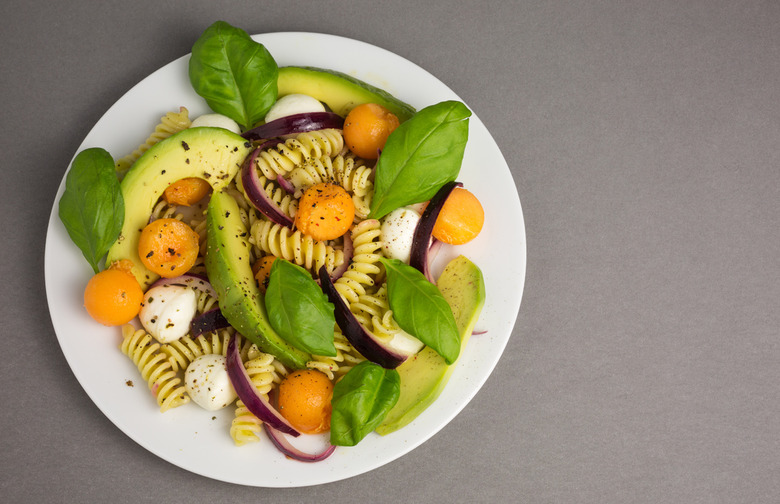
{"x": 644, "y": 139}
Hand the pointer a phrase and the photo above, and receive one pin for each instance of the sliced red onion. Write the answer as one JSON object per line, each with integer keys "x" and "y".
{"x": 433, "y": 251}
{"x": 208, "y": 321}
{"x": 284, "y": 445}
{"x": 193, "y": 280}
{"x": 368, "y": 344}
{"x": 296, "y": 123}
{"x": 256, "y": 194}
{"x": 286, "y": 185}
{"x": 348, "y": 251}
{"x": 421, "y": 243}
{"x": 246, "y": 391}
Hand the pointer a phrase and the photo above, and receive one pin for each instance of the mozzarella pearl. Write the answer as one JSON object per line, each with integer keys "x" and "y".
{"x": 397, "y": 233}
{"x": 207, "y": 382}
{"x": 293, "y": 104}
{"x": 216, "y": 121}
{"x": 405, "y": 343}
{"x": 167, "y": 311}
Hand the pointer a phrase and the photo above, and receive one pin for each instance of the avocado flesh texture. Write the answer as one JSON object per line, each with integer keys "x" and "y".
{"x": 230, "y": 273}
{"x": 424, "y": 376}
{"x": 213, "y": 154}
{"x": 339, "y": 91}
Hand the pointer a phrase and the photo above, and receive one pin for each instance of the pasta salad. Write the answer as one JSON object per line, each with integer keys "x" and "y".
{"x": 280, "y": 266}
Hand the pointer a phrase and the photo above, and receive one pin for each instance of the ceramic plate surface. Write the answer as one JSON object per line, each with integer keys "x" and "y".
{"x": 198, "y": 440}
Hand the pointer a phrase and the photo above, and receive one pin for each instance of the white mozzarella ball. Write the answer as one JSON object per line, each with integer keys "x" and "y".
{"x": 216, "y": 121}
{"x": 293, "y": 104}
{"x": 167, "y": 311}
{"x": 405, "y": 343}
{"x": 207, "y": 382}
{"x": 397, "y": 233}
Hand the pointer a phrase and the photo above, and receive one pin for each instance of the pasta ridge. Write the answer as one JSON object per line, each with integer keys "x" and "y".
{"x": 170, "y": 123}
{"x": 294, "y": 246}
{"x": 245, "y": 426}
{"x": 275, "y": 161}
{"x": 155, "y": 368}
{"x": 364, "y": 268}
{"x": 346, "y": 358}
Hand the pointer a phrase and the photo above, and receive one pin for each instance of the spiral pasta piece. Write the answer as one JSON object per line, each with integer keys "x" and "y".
{"x": 155, "y": 368}
{"x": 263, "y": 374}
{"x": 364, "y": 268}
{"x": 346, "y": 358}
{"x": 162, "y": 210}
{"x": 374, "y": 313}
{"x": 170, "y": 123}
{"x": 294, "y": 246}
{"x": 345, "y": 170}
{"x": 292, "y": 152}
{"x": 183, "y": 351}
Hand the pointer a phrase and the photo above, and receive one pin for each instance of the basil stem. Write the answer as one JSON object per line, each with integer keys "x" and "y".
{"x": 361, "y": 400}
{"x": 298, "y": 310}
{"x": 420, "y": 309}
{"x": 234, "y": 74}
{"x": 92, "y": 207}
{"x": 420, "y": 156}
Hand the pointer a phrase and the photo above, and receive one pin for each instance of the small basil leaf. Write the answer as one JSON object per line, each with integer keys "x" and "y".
{"x": 421, "y": 310}
{"x": 92, "y": 207}
{"x": 234, "y": 74}
{"x": 298, "y": 310}
{"x": 361, "y": 400}
{"x": 420, "y": 156}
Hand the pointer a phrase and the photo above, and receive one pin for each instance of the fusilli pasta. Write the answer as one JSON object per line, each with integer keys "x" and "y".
{"x": 155, "y": 368}
{"x": 293, "y": 152}
{"x": 346, "y": 357}
{"x": 170, "y": 123}
{"x": 364, "y": 268}
{"x": 294, "y": 246}
{"x": 264, "y": 374}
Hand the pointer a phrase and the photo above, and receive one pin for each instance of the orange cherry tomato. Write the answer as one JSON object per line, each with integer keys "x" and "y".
{"x": 168, "y": 247}
{"x": 186, "y": 191}
{"x": 366, "y": 129}
{"x": 460, "y": 219}
{"x": 113, "y": 296}
{"x": 325, "y": 211}
{"x": 304, "y": 400}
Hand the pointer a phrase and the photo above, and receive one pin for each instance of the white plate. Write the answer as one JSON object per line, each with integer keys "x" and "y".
{"x": 198, "y": 440}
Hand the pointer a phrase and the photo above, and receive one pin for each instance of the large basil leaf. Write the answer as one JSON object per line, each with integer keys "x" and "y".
{"x": 420, "y": 156}
{"x": 92, "y": 207}
{"x": 421, "y": 310}
{"x": 298, "y": 310}
{"x": 234, "y": 74}
{"x": 361, "y": 400}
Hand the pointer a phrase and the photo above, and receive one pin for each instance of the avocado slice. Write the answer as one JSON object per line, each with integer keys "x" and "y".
{"x": 339, "y": 91}
{"x": 424, "y": 376}
{"x": 214, "y": 154}
{"x": 229, "y": 271}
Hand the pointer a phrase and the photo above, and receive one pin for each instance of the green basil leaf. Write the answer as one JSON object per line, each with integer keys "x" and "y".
{"x": 361, "y": 400}
{"x": 92, "y": 207}
{"x": 234, "y": 74}
{"x": 421, "y": 310}
{"x": 298, "y": 309}
{"x": 420, "y": 156}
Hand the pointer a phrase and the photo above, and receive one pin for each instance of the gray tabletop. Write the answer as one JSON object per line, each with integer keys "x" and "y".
{"x": 644, "y": 141}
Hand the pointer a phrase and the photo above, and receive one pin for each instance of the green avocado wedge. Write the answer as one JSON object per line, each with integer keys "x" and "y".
{"x": 230, "y": 273}
{"x": 339, "y": 91}
{"x": 213, "y": 154}
{"x": 424, "y": 376}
